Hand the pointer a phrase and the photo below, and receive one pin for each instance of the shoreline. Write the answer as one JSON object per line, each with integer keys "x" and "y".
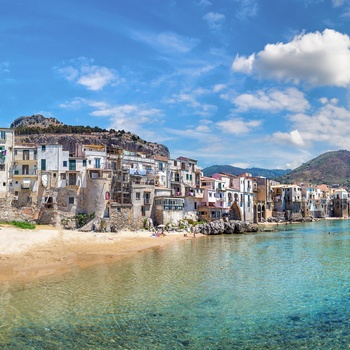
{"x": 31, "y": 254}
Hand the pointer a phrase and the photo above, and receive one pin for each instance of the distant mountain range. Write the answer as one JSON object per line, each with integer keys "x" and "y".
{"x": 270, "y": 174}
{"x": 330, "y": 168}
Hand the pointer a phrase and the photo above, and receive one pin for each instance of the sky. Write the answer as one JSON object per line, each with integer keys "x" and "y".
{"x": 249, "y": 83}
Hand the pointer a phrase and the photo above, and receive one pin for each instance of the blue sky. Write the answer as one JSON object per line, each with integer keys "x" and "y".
{"x": 251, "y": 83}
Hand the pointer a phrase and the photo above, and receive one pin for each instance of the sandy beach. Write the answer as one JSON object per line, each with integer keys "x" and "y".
{"x": 28, "y": 254}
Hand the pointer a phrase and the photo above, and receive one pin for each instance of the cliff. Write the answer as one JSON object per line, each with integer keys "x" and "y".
{"x": 40, "y": 130}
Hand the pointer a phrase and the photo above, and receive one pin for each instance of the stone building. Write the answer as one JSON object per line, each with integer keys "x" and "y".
{"x": 6, "y": 158}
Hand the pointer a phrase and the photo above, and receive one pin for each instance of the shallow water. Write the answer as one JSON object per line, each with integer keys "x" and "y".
{"x": 272, "y": 290}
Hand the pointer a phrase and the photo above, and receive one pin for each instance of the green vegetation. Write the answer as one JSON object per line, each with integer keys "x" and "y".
{"x": 22, "y": 224}
{"x": 328, "y": 168}
{"x": 83, "y": 219}
{"x": 57, "y": 129}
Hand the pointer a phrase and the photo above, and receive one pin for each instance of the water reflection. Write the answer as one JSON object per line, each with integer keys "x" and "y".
{"x": 270, "y": 290}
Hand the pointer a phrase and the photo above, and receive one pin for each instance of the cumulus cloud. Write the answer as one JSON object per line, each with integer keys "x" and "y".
{"x": 318, "y": 59}
{"x": 215, "y": 20}
{"x": 329, "y": 125}
{"x": 290, "y": 99}
{"x": 82, "y": 71}
{"x": 293, "y": 138}
{"x": 238, "y": 126}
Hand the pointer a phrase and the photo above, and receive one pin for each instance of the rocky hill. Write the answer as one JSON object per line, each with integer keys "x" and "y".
{"x": 37, "y": 120}
{"x": 270, "y": 174}
{"x": 328, "y": 168}
{"x": 40, "y": 130}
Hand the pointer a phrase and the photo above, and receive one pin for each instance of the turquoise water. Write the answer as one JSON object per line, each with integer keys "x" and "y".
{"x": 273, "y": 290}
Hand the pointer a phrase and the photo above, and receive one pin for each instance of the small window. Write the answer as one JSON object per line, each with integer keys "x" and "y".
{"x": 71, "y": 200}
{"x": 43, "y": 148}
{"x": 138, "y": 197}
{"x": 2, "y": 167}
{"x": 4, "y": 183}
{"x": 65, "y": 163}
{"x": 3, "y": 135}
{"x": 84, "y": 162}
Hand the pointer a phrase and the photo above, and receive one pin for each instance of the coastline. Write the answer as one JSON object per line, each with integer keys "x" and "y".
{"x": 31, "y": 254}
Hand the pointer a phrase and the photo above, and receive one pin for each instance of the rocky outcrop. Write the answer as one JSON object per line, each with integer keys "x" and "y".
{"x": 34, "y": 120}
{"x": 40, "y": 130}
{"x": 226, "y": 227}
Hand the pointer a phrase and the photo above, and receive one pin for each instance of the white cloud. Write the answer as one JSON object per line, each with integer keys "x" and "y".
{"x": 83, "y": 72}
{"x": 293, "y": 138}
{"x": 316, "y": 58}
{"x": 137, "y": 119}
{"x": 215, "y": 20}
{"x": 327, "y": 126}
{"x": 337, "y": 3}
{"x": 191, "y": 100}
{"x": 243, "y": 64}
{"x": 290, "y": 99}
{"x": 241, "y": 165}
{"x": 4, "y": 67}
{"x": 219, "y": 87}
{"x": 204, "y": 3}
{"x": 247, "y": 8}
{"x": 166, "y": 41}
{"x": 238, "y": 126}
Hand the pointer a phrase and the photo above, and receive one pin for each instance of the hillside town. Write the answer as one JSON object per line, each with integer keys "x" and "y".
{"x": 47, "y": 184}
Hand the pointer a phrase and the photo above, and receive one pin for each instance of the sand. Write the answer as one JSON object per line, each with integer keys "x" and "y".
{"x": 29, "y": 254}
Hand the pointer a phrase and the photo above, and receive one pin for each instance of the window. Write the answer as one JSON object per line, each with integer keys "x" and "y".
{"x": 43, "y": 164}
{"x": 65, "y": 163}
{"x": 71, "y": 200}
{"x": 2, "y": 167}
{"x": 25, "y": 154}
{"x": 84, "y": 162}
{"x": 72, "y": 164}
{"x": 15, "y": 152}
{"x": 3, "y": 135}
{"x": 97, "y": 163}
{"x": 43, "y": 148}
{"x": 25, "y": 169}
{"x": 63, "y": 176}
{"x": 138, "y": 195}
{"x": 177, "y": 177}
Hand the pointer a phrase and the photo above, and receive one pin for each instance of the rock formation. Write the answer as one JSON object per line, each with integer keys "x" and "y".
{"x": 226, "y": 227}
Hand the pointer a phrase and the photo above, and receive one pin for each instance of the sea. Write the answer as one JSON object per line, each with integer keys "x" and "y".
{"x": 284, "y": 289}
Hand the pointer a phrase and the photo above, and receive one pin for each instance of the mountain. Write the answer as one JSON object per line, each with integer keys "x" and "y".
{"x": 40, "y": 130}
{"x": 328, "y": 168}
{"x": 270, "y": 174}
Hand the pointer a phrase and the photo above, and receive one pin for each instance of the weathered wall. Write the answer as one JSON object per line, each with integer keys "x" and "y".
{"x": 96, "y": 195}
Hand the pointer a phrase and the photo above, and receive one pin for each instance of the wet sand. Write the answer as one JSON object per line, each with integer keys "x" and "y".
{"x": 30, "y": 254}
